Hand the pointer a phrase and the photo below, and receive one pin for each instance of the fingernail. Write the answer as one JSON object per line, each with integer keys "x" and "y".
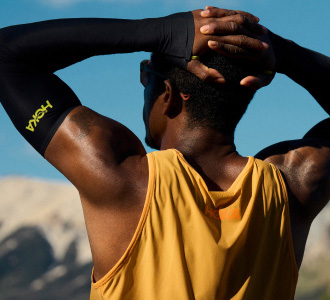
{"x": 205, "y": 28}
{"x": 266, "y": 46}
{"x": 243, "y": 83}
{"x": 213, "y": 44}
{"x": 220, "y": 80}
{"x": 249, "y": 84}
{"x": 205, "y": 13}
{"x": 208, "y": 7}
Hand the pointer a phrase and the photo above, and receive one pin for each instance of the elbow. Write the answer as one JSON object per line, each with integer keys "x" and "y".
{"x": 5, "y": 56}
{"x": 8, "y": 44}
{"x": 11, "y": 56}
{"x": 4, "y": 53}
{"x": 4, "y": 38}
{"x": 3, "y": 48}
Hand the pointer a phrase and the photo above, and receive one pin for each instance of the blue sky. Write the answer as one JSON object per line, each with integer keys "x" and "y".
{"x": 110, "y": 84}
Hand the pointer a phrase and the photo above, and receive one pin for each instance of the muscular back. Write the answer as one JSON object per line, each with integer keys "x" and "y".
{"x": 107, "y": 164}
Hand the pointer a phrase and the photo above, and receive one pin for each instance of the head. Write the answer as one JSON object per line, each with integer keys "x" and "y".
{"x": 217, "y": 106}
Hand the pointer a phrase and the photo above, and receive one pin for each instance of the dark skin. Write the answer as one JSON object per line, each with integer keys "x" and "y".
{"x": 108, "y": 165}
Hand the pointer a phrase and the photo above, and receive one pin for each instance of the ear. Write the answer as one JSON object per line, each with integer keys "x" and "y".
{"x": 171, "y": 100}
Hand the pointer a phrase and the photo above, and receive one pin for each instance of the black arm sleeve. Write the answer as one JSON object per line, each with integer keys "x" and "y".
{"x": 308, "y": 68}
{"x": 36, "y": 100}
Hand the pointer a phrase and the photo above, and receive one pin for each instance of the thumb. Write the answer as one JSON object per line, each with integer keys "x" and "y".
{"x": 256, "y": 82}
{"x": 204, "y": 73}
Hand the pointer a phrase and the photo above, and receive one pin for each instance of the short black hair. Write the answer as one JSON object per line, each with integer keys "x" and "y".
{"x": 219, "y": 106}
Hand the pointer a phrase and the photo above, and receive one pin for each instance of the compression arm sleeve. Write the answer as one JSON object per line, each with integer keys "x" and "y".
{"x": 308, "y": 68}
{"x": 36, "y": 100}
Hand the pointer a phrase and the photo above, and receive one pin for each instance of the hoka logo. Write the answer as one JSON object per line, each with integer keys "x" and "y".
{"x": 229, "y": 213}
{"x": 37, "y": 116}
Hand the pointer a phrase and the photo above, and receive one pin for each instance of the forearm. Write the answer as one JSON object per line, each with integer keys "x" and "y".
{"x": 55, "y": 44}
{"x": 308, "y": 68}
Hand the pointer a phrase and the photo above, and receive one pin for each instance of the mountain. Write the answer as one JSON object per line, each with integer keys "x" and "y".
{"x": 44, "y": 250}
{"x": 314, "y": 278}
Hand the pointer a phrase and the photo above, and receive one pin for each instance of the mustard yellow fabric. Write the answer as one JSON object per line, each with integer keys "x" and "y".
{"x": 192, "y": 243}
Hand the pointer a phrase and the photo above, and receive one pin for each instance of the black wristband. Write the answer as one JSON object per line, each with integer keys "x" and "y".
{"x": 181, "y": 39}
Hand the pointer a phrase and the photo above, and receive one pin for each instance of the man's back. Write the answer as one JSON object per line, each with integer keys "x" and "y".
{"x": 190, "y": 241}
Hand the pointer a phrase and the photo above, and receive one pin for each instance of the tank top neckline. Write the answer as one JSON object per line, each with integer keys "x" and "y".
{"x": 221, "y": 197}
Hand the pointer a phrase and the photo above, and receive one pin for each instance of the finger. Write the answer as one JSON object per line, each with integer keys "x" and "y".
{"x": 242, "y": 41}
{"x": 242, "y": 51}
{"x": 246, "y": 23}
{"x": 216, "y": 27}
{"x": 248, "y": 15}
{"x": 232, "y": 50}
{"x": 214, "y": 12}
{"x": 204, "y": 73}
{"x": 256, "y": 82}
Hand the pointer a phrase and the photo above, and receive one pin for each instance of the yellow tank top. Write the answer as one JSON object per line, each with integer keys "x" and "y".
{"x": 192, "y": 243}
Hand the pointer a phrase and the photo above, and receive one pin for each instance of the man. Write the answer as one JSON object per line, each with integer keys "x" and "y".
{"x": 195, "y": 220}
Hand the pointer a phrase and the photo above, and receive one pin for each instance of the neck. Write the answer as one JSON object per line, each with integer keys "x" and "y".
{"x": 211, "y": 153}
{"x": 198, "y": 142}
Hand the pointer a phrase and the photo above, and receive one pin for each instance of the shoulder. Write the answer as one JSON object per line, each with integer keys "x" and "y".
{"x": 98, "y": 155}
{"x": 169, "y": 159}
{"x": 305, "y": 165}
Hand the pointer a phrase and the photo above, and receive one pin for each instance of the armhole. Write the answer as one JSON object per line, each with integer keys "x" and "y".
{"x": 118, "y": 266}
{"x": 288, "y": 221}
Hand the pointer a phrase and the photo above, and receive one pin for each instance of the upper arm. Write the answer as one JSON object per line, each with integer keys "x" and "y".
{"x": 98, "y": 155}
{"x": 305, "y": 164}
{"x": 102, "y": 158}
{"x": 108, "y": 165}
{"x": 89, "y": 149}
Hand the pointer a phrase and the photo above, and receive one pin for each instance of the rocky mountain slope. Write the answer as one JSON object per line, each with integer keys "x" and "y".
{"x": 44, "y": 251}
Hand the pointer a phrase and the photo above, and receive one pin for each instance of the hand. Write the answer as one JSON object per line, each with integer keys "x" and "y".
{"x": 266, "y": 60}
{"x": 244, "y": 46}
{"x": 215, "y": 24}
